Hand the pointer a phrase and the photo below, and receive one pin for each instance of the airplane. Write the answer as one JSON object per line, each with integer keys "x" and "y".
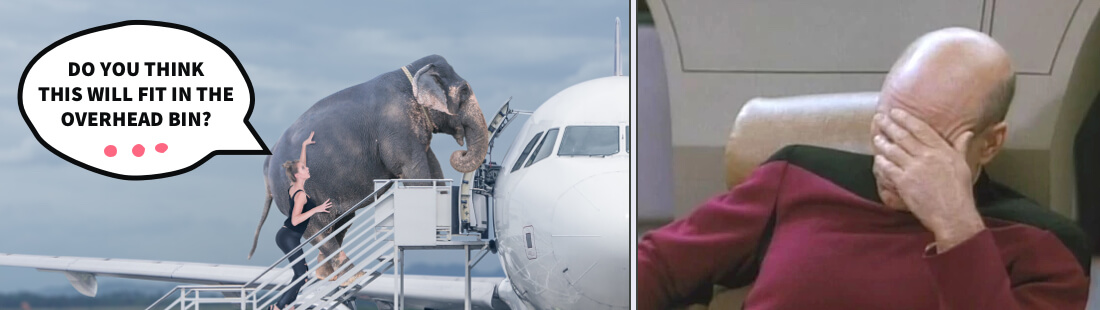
{"x": 564, "y": 244}
{"x": 561, "y": 219}
{"x": 718, "y": 55}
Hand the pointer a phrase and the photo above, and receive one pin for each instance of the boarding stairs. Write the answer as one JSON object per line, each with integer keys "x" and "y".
{"x": 399, "y": 214}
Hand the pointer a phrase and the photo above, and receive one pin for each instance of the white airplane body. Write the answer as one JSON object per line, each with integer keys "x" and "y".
{"x": 562, "y": 200}
{"x": 576, "y": 208}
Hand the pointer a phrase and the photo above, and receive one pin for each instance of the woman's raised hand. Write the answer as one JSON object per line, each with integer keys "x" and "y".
{"x": 309, "y": 140}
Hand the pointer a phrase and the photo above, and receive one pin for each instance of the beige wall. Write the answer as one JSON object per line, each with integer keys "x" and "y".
{"x": 721, "y": 53}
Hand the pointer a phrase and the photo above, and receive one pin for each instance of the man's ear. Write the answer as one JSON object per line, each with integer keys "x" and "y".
{"x": 992, "y": 141}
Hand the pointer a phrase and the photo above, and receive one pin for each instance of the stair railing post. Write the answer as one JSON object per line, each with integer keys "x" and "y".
{"x": 466, "y": 249}
{"x": 399, "y": 293}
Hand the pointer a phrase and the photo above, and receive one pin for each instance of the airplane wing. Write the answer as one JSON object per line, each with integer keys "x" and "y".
{"x": 435, "y": 292}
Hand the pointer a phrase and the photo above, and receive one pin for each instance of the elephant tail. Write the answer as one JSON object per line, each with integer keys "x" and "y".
{"x": 263, "y": 217}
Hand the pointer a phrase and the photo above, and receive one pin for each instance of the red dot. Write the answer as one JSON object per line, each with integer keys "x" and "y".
{"x": 139, "y": 150}
{"x": 161, "y": 147}
{"x": 110, "y": 151}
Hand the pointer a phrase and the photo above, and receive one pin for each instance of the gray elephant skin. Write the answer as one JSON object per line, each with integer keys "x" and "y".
{"x": 380, "y": 129}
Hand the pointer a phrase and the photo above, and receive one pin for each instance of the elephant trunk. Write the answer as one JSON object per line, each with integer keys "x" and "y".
{"x": 477, "y": 138}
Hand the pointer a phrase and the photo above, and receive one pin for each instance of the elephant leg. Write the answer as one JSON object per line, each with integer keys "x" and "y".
{"x": 325, "y": 250}
{"x": 324, "y": 270}
{"x": 433, "y": 165}
{"x": 341, "y": 258}
{"x": 339, "y": 264}
{"x": 341, "y": 261}
{"x": 408, "y": 160}
{"x": 417, "y": 166}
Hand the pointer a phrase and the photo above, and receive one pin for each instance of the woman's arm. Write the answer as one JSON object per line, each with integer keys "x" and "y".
{"x": 297, "y": 216}
{"x": 305, "y": 143}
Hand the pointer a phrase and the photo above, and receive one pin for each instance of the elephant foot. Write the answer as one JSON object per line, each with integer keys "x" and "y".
{"x": 354, "y": 278}
{"x": 325, "y": 269}
{"x": 340, "y": 261}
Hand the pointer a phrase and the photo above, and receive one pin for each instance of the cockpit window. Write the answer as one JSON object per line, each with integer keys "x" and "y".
{"x": 546, "y": 148}
{"x": 526, "y": 150}
{"x": 589, "y": 141}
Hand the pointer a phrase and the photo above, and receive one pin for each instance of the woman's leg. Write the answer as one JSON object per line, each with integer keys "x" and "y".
{"x": 287, "y": 240}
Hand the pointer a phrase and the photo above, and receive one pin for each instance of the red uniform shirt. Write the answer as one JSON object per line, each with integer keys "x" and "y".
{"x": 835, "y": 246}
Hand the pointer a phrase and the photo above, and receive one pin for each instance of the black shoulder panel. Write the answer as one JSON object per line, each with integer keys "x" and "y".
{"x": 851, "y": 171}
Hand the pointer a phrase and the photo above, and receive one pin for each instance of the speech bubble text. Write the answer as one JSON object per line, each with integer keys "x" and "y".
{"x": 135, "y": 85}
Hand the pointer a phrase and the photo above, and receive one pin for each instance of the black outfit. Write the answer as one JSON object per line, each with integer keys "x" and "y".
{"x": 288, "y": 238}
{"x": 301, "y": 227}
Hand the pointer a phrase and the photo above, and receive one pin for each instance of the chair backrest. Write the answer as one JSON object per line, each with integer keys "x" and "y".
{"x": 764, "y": 125}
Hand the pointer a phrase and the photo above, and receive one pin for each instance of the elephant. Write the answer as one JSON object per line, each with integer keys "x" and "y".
{"x": 380, "y": 129}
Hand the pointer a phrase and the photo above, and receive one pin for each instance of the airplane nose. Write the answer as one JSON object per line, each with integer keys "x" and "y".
{"x": 591, "y": 238}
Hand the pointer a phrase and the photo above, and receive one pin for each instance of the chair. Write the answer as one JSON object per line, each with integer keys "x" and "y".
{"x": 764, "y": 125}
{"x": 839, "y": 121}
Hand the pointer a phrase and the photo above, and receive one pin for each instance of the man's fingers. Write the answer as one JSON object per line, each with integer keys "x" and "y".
{"x": 918, "y": 128}
{"x": 898, "y": 135}
{"x": 884, "y": 180}
{"x": 887, "y": 168}
{"x": 891, "y": 151}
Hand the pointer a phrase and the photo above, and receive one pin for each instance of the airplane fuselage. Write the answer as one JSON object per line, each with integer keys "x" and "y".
{"x": 562, "y": 209}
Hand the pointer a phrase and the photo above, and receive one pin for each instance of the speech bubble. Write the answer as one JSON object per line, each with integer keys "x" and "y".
{"x": 139, "y": 100}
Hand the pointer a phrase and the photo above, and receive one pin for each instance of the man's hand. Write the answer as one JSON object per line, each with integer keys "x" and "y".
{"x": 930, "y": 175}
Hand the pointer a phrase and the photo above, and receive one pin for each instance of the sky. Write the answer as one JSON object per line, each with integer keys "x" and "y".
{"x": 295, "y": 53}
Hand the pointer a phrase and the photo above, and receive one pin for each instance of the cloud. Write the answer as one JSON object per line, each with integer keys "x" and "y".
{"x": 39, "y": 7}
{"x": 502, "y": 49}
{"x": 20, "y": 152}
{"x": 8, "y": 44}
{"x": 590, "y": 70}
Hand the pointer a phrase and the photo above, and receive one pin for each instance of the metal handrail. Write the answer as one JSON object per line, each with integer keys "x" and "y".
{"x": 321, "y": 263}
{"x": 165, "y": 296}
{"x": 357, "y": 247}
{"x": 303, "y": 256}
{"x": 249, "y": 292}
{"x": 375, "y": 249}
{"x": 187, "y": 289}
{"x": 382, "y": 189}
{"x": 372, "y": 196}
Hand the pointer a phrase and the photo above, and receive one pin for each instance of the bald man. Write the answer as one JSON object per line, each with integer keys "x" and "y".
{"x": 916, "y": 226}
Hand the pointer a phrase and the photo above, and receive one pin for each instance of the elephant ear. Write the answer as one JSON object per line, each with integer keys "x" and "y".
{"x": 428, "y": 90}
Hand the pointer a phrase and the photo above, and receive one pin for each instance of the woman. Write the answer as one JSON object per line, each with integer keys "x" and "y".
{"x": 303, "y": 207}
